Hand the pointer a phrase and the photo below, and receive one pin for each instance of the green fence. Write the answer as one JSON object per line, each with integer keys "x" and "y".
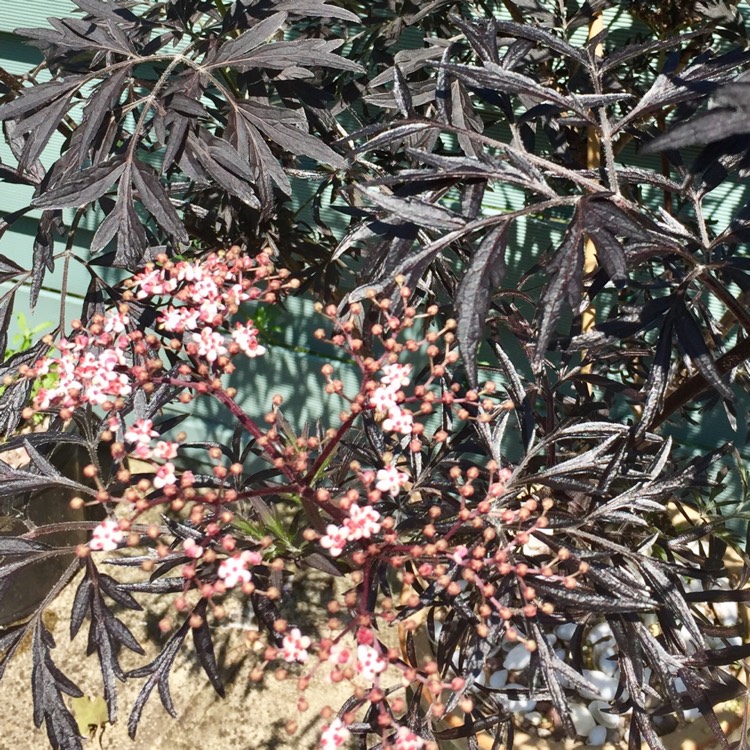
{"x": 288, "y": 370}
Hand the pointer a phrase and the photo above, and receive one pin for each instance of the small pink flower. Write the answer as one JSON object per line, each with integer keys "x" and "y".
{"x": 334, "y": 735}
{"x": 165, "y": 476}
{"x": 339, "y": 654}
{"x": 141, "y": 451}
{"x": 211, "y": 344}
{"x": 391, "y": 480}
{"x": 335, "y": 539}
{"x": 399, "y": 420}
{"x": 369, "y": 662}
{"x": 141, "y": 432}
{"x": 294, "y": 646}
{"x": 165, "y": 450}
{"x": 107, "y": 536}
{"x": 234, "y": 570}
{"x": 192, "y": 548}
{"x": 407, "y": 740}
{"x": 396, "y": 375}
{"x": 251, "y": 557}
{"x": 179, "y": 319}
{"x": 362, "y": 522}
{"x": 246, "y": 337}
{"x": 116, "y": 322}
{"x": 383, "y": 400}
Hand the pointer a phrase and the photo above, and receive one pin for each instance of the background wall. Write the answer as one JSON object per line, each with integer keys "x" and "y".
{"x": 288, "y": 369}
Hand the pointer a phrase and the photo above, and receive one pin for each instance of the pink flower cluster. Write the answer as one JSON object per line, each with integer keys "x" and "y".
{"x": 211, "y": 287}
{"x": 211, "y": 291}
{"x": 407, "y": 740}
{"x": 141, "y": 433}
{"x": 91, "y": 369}
{"x": 234, "y": 570}
{"x": 334, "y": 735}
{"x": 107, "y": 536}
{"x": 369, "y": 662}
{"x": 210, "y": 344}
{"x": 391, "y": 480}
{"x": 246, "y": 337}
{"x": 361, "y": 524}
{"x": 386, "y": 399}
{"x": 294, "y": 646}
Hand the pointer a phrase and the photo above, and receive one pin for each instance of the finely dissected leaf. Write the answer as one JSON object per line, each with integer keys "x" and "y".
{"x": 130, "y": 233}
{"x": 401, "y": 92}
{"x": 418, "y": 212}
{"x": 288, "y": 127}
{"x": 38, "y": 96}
{"x": 669, "y": 593}
{"x": 204, "y": 647}
{"x": 235, "y": 51}
{"x": 542, "y": 37}
{"x": 585, "y": 599}
{"x": 157, "y": 673}
{"x": 100, "y": 105}
{"x": 37, "y": 130}
{"x": 507, "y": 81}
{"x": 43, "y": 252}
{"x": 658, "y": 378}
{"x": 47, "y": 683}
{"x": 690, "y": 338}
{"x": 156, "y": 201}
{"x": 223, "y": 163}
{"x": 552, "y": 669}
{"x": 12, "y": 402}
{"x": 39, "y": 463}
{"x": 6, "y": 311}
{"x": 696, "y": 81}
{"x": 81, "y": 605}
{"x": 391, "y": 135}
{"x": 14, "y": 481}
{"x": 113, "y": 589}
{"x": 300, "y": 52}
{"x": 8, "y": 268}
{"x": 566, "y": 273}
{"x": 83, "y": 189}
{"x": 484, "y": 274}
{"x": 10, "y": 545}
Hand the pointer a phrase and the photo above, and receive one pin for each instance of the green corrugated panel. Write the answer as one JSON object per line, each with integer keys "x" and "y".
{"x": 29, "y": 14}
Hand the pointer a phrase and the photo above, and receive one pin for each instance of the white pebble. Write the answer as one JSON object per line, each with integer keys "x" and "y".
{"x": 499, "y": 679}
{"x": 582, "y": 719}
{"x": 599, "y": 632}
{"x": 534, "y": 718}
{"x": 604, "y": 683}
{"x": 535, "y": 546}
{"x": 565, "y": 632}
{"x": 518, "y": 658}
{"x": 605, "y": 658}
{"x": 726, "y": 612}
{"x": 599, "y": 710}
{"x": 518, "y": 705}
{"x": 597, "y": 736}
